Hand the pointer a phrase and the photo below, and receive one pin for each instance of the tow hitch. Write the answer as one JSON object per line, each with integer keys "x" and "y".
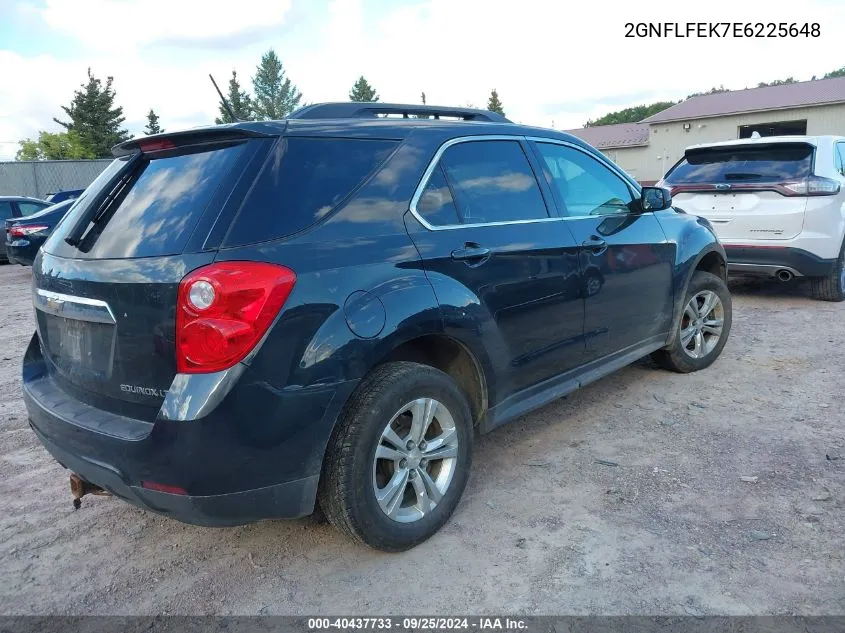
{"x": 79, "y": 488}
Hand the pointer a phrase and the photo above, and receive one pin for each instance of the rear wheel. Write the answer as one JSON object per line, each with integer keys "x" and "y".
{"x": 703, "y": 328}
{"x": 399, "y": 459}
{"x": 831, "y": 287}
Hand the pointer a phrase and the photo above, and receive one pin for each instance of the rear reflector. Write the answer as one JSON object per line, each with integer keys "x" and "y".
{"x": 171, "y": 490}
{"x": 224, "y": 309}
{"x": 26, "y": 229}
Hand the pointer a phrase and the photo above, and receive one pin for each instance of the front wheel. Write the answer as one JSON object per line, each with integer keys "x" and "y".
{"x": 704, "y": 326}
{"x": 399, "y": 459}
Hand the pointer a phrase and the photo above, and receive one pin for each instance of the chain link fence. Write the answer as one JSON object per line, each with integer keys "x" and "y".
{"x": 42, "y": 177}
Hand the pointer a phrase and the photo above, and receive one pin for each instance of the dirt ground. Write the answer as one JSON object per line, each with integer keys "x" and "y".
{"x": 667, "y": 525}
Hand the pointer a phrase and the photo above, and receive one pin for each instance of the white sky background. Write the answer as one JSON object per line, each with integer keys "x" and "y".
{"x": 561, "y": 62}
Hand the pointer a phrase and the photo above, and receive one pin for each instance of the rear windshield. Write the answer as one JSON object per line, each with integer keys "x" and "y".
{"x": 303, "y": 180}
{"x": 773, "y": 163}
{"x": 156, "y": 212}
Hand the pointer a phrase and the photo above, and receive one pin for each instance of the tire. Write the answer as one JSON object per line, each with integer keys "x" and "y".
{"x": 353, "y": 476}
{"x": 831, "y": 287}
{"x": 686, "y": 354}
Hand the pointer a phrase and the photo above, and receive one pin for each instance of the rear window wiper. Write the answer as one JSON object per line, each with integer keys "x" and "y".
{"x": 96, "y": 208}
{"x": 741, "y": 175}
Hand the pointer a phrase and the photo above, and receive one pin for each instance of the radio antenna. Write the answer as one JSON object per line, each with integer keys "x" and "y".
{"x": 223, "y": 100}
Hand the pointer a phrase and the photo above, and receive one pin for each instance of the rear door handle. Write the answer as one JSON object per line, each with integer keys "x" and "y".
{"x": 595, "y": 244}
{"x": 471, "y": 252}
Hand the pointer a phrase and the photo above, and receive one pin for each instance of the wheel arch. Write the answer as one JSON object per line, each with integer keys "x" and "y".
{"x": 711, "y": 260}
{"x": 450, "y": 356}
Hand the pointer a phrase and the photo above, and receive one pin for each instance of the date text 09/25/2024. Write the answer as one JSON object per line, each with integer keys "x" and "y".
{"x": 417, "y": 624}
{"x": 722, "y": 29}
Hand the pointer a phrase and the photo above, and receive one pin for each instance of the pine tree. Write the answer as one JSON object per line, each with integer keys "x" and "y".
{"x": 493, "y": 103}
{"x": 240, "y": 101}
{"x": 152, "y": 124}
{"x": 275, "y": 95}
{"x": 363, "y": 91}
{"x": 94, "y": 117}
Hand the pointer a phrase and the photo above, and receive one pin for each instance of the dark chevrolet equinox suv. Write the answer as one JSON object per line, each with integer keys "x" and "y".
{"x": 241, "y": 322}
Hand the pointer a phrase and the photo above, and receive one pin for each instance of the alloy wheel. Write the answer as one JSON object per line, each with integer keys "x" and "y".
{"x": 701, "y": 324}
{"x": 415, "y": 460}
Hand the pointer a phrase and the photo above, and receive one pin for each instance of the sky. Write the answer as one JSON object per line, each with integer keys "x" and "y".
{"x": 553, "y": 63}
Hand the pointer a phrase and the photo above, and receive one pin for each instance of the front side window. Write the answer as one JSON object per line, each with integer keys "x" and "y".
{"x": 492, "y": 181}
{"x": 585, "y": 186}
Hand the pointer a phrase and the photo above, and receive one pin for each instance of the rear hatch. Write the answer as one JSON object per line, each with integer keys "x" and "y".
{"x": 106, "y": 280}
{"x": 748, "y": 192}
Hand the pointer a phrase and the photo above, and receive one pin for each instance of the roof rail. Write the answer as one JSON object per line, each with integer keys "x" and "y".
{"x": 365, "y": 110}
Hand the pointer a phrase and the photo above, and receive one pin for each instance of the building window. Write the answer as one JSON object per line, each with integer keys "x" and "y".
{"x": 777, "y": 128}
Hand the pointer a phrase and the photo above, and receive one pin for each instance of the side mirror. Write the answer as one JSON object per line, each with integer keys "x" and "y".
{"x": 655, "y": 199}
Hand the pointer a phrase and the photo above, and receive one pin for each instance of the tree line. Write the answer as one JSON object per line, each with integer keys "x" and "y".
{"x": 93, "y": 122}
{"x": 640, "y": 112}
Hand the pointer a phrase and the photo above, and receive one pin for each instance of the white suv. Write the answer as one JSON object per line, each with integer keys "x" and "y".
{"x": 777, "y": 204}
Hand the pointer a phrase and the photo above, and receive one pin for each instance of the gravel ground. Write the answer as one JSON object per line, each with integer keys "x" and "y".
{"x": 719, "y": 492}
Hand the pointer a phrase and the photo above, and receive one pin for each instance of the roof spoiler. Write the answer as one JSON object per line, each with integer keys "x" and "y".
{"x": 369, "y": 110}
{"x": 220, "y": 133}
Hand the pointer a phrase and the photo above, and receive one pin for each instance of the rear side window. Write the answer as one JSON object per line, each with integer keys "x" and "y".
{"x": 492, "y": 181}
{"x": 303, "y": 180}
{"x": 159, "y": 208}
{"x": 772, "y": 163}
{"x": 28, "y": 208}
{"x": 436, "y": 205}
{"x": 5, "y": 210}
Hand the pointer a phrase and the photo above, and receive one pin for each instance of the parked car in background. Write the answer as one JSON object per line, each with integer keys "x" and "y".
{"x": 777, "y": 204}
{"x": 239, "y": 322}
{"x": 61, "y": 196}
{"x": 24, "y": 236}
{"x": 18, "y": 207}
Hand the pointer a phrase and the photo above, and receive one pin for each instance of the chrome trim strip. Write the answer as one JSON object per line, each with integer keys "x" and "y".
{"x": 500, "y": 137}
{"x": 70, "y": 307}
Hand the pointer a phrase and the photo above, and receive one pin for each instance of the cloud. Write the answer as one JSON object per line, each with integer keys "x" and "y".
{"x": 147, "y": 22}
{"x": 548, "y": 62}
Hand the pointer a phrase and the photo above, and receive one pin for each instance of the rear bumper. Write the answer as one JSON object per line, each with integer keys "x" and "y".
{"x": 235, "y": 465}
{"x": 769, "y": 260}
{"x": 23, "y": 255}
{"x": 291, "y": 499}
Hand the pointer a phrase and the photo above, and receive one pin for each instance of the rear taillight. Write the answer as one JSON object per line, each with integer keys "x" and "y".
{"x": 223, "y": 311}
{"x": 26, "y": 229}
{"x": 812, "y": 186}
